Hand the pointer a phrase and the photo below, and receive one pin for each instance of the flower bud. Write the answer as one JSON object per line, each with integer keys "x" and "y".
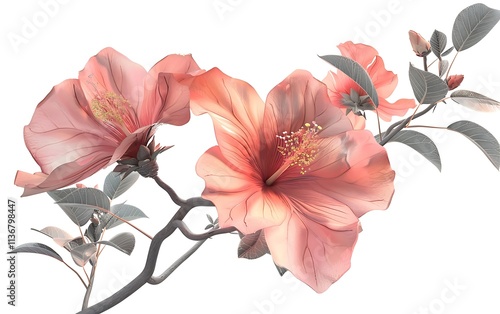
{"x": 454, "y": 81}
{"x": 420, "y": 46}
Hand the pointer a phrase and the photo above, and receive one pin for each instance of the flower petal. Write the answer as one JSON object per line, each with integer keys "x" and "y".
{"x": 361, "y": 53}
{"x": 62, "y": 130}
{"x": 387, "y": 110}
{"x": 366, "y": 180}
{"x": 384, "y": 81}
{"x": 111, "y": 71}
{"x": 312, "y": 252}
{"x": 236, "y": 111}
{"x": 64, "y": 175}
{"x": 239, "y": 197}
{"x": 168, "y": 102}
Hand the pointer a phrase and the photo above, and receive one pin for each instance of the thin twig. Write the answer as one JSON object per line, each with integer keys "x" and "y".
{"x": 151, "y": 259}
{"x": 89, "y": 287}
{"x": 81, "y": 279}
{"x": 175, "y": 198}
{"x": 181, "y": 225}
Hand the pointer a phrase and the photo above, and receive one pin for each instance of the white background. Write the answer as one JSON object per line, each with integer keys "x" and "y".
{"x": 440, "y": 230}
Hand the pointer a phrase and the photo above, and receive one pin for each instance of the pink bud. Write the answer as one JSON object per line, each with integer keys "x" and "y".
{"x": 454, "y": 81}
{"x": 420, "y": 46}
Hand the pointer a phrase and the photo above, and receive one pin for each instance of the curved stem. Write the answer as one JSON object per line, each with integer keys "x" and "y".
{"x": 398, "y": 126}
{"x": 175, "y": 198}
{"x": 451, "y": 64}
{"x": 81, "y": 279}
{"x": 149, "y": 267}
{"x": 126, "y": 222}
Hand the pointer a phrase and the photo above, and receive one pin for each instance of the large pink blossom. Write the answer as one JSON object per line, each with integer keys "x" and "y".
{"x": 86, "y": 124}
{"x": 292, "y": 167}
{"x": 341, "y": 87}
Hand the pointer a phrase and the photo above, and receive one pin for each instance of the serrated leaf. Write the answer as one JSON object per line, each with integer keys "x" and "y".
{"x": 438, "y": 43}
{"x": 59, "y": 236}
{"x": 475, "y": 101}
{"x": 356, "y": 72}
{"x": 124, "y": 242}
{"x": 124, "y": 211}
{"x": 253, "y": 245}
{"x": 117, "y": 183}
{"x": 443, "y": 66}
{"x": 428, "y": 88}
{"x": 481, "y": 137}
{"x": 472, "y": 24}
{"x": 421, "y": 143}
{"x": 37, "y": 248}
{"x": 83, "y": 253}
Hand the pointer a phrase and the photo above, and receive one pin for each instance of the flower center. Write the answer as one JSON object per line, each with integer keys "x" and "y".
{"x": 298, "y": 149}
{"x": 115, "y": 112}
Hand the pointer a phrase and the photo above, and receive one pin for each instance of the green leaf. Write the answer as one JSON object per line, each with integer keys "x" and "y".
{"x": 472, "y": 24}
{"x": 481, "y": 137}
{"x": 475, "y": 101}
{"x": 83, "y": 253}
{"x": 124, "y": 242}
{"x": 253, "y": 245}
{"x": 427, "y": 87}
{"x": 421, "y": 143}
{"x": 79, "y": 204}
{"x": 124, "y": 211}
{"x": 37, "y": 248}
{"x": 210, "y": 219}
{"x": 443, "y": 66}
{"x": 115, "y": 184}
{"x": 356, "y": 72}
{"x": 438, "y": 43}
{"x": 94, "y": 232}
{"x": 447, "y": 52}
{"x": 59, "y": 236}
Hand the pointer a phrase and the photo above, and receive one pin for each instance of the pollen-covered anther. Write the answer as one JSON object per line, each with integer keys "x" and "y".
{"x": 298, "y": 148}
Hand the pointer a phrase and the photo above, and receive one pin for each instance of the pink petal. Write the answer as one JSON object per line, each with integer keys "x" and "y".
{"x": 362, "y": 54}
{"x": 168, "y": 102}
{"x": 239, "y": 197}
{"x": 62, "y": 130}
{"x": 181, "y": 66}
{"x": 387, "y": 110}
{"x": 384, "y": 81}
{"x": 111, "y": 71}
{"x": 237, "y": 112}
{"x": 368, "y": 181}
{"x": 312, "y": 252}
{"x": 64, "y": 175}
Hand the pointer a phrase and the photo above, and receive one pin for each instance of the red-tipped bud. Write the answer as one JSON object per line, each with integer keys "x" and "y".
{"x": 454, "y": 81}
{"x": 420, "y": 46}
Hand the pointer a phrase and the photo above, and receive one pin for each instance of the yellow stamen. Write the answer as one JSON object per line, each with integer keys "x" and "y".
{"x": 298, "y": 149}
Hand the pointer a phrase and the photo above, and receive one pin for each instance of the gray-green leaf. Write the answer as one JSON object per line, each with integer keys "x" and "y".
{"x": 472, "y": 24}
{"x": 420, "y": 143}
{"x": 123, "y": 211}
{"x": 59, "y": 236}
{"x": 124, "y": 242}
{"x": 356, "y": 72}
{"x": 443, "y": 66}
{"x": 481, "y": 137}
{"x": 475, "y": 101}
{"x": 79, "y": 204}
{"x": 115, "y": 184}
{"x": 253, "y": 245}
{"x": 438, "y": 43}
{"x": 37, "y": 248}
{"x": 428, "y": 88}
{"x": 83, "y": 253}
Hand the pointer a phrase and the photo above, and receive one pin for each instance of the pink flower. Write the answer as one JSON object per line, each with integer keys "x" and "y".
{"x": 454, "y": 81}
{"x": 292, "y": 167}
{"x": 346, "y": 94}
{"x": 86, "y": 124}
{"x": 420, "y": 46}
